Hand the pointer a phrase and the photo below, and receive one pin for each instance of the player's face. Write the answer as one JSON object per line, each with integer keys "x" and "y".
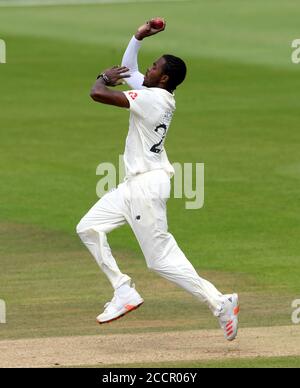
{"x": 154, "y": 73}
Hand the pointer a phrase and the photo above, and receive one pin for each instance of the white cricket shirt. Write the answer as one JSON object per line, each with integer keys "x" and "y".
{"x": 151, "y": 112}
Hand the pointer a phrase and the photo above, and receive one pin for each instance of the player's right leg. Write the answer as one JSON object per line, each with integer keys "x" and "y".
{"x": 163, "y": 255}
{"x": 105, "y": 216}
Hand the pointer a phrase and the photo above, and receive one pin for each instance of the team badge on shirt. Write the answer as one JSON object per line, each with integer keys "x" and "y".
{"x": 133, "y": 95}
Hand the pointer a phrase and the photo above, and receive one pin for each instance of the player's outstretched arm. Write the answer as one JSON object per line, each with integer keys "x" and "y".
{"x": 130, "y": 58}
{"x": 111, "y": 77}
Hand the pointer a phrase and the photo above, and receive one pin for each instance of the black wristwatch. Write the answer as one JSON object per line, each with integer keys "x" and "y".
{"x": 105, "y": 78}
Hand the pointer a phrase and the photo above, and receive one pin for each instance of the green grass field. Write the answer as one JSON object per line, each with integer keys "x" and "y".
{"x": 276, "y": 362}
{"x": 238, "y": 112}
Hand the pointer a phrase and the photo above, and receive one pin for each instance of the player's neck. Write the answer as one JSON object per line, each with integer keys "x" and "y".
{"x": 162, "y": 86}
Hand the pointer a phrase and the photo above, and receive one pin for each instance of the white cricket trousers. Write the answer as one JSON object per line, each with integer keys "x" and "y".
{"x": 141, "y": 202}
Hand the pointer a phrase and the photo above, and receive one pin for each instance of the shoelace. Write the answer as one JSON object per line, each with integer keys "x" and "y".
{"x": 222, "y": 316}
{"x": 111, "y": 302}
{"x": 220, "y": 311}
{"x": 115, "y": 297}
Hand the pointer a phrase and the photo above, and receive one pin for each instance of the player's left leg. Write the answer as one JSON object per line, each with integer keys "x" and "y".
{"x": 105, "y": 216}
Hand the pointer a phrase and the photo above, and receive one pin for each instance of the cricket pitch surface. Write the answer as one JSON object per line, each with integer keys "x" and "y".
{"x": 105, "y": 350}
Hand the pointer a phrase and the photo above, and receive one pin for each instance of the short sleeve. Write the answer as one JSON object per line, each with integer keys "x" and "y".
{"x": 140, "y": 101}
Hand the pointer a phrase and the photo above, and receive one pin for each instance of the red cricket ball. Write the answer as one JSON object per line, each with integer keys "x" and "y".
{"x": 157, "y": 23}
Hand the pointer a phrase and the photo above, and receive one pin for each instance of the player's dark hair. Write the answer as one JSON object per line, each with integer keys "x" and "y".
{"x": 176, "y": 69}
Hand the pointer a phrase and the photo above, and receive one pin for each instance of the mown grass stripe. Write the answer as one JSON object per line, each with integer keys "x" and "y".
{"x": 39, "y": 3}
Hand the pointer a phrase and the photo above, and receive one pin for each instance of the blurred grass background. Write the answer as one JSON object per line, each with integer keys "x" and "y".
{"x": 238, "y": 112}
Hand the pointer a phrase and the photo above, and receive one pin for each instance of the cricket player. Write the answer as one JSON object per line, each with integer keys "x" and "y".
{"x": 141, "y": 199}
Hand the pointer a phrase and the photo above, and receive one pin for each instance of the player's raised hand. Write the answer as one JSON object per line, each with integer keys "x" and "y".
{"x": 151, "y": 27}
{"x": 115, "y": 75}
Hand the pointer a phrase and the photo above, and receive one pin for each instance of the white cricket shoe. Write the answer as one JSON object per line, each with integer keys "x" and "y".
{"x": 120, "y": 305}
{"x": 228, "y": 316}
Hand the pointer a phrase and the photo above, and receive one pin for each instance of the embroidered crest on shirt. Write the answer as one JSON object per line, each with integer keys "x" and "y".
{"x": 133, "y": 95}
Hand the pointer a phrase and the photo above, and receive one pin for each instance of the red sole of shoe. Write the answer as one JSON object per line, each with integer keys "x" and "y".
{"x": 127, "y": 312}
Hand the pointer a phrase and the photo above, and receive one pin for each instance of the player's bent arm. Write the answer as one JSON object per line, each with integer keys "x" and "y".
{"x": 111, "y": 77}
{"x": 100, "y": 93}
